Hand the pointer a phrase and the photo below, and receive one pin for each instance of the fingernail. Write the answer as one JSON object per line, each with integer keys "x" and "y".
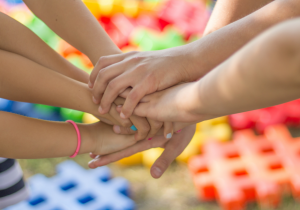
{"x": 100, "y": 110}
{"x": 91, "y": 162}
{"x": 122, "y": 115}
{"x": 117, "y": 129}
{"x": 94, "y": 100}
{"x": 178, "y": 131}
{"x": 150, "y": 139}
{"x": 90, "y": 84}
{"x": 157, "y": 172}
{"x": 169, "y": 135}
{"x": 133, "y": 128}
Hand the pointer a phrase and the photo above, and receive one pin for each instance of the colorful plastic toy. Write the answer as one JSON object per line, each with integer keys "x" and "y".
{"x": 287, "y": 113}
{"x": 77, "y": 189}
{"x": 249, "y": 168}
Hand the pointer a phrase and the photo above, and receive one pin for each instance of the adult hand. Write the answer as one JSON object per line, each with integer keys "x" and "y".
{"x": 173, "y": 148}
{"x": 180, "y": 103}
{"x": 145, "y": 72}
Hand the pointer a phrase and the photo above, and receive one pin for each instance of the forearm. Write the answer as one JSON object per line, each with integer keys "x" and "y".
{"x": 213, "y": 49}
{"x": 83, "y": 30}
{"x": 229, "y": 11}
{"x": 23, "y": 80}
{"x": 264, "y": 73}
{"x": 22, "y": 137}
{"x": 18, "y": 39}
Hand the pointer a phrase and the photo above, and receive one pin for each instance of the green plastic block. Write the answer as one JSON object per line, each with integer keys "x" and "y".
{"x": 77, "y": 61}
{"x": 45, "y": 109}
{"x": 41, "y": 29}
{"x": 70, "y": 114}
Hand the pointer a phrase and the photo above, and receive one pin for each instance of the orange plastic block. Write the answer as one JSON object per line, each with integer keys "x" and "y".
{"x": 250, "y": 168}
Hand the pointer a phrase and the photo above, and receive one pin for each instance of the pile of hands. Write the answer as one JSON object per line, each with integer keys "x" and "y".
{"x": 148, "y": 90}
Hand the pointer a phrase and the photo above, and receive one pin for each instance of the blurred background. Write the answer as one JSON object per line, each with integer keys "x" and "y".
{"x": 154, "y": 25}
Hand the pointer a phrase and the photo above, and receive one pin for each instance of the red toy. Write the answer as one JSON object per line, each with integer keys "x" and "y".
{"x": 249, "y": 168}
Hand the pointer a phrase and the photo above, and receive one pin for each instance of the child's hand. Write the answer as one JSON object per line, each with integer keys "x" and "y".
{"x": 145, "y": 72}
{"x": 105, "y": 140}
{"x": 173, "y": 148}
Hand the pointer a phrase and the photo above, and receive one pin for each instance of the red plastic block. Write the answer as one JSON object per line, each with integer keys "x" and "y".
{"x": 250, "y": 168}
{"x": 287, "y": 113}
{"x": 190, "y": 17}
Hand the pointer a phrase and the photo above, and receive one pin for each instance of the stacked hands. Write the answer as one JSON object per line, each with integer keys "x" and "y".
{"x": 129, "y": 88}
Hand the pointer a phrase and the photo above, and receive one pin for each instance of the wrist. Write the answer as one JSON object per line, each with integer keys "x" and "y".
{"x": 87, "y": 141}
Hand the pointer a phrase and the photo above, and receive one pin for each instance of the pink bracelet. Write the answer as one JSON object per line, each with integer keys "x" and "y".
{"x": 78, "y": 138}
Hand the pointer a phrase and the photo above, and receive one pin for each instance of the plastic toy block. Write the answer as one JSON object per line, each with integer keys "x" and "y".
{"x": 14, "y": 2}
{"x": 94, "y": 7}
{"x": 132, "y": 160}
{"x": 6, "y": 105}
{"x": 151, "y": 155}
{"x": 78, "y": 189}
{"x": 77, "y": 61}
{"x": 287, "y": 113}
{"x": 70, "y": 114}
{"x": 152, "y": 40}
{"x": 189, "y": 17}
{"x": 249, "y": 168}
{"x": 88, "y": 118}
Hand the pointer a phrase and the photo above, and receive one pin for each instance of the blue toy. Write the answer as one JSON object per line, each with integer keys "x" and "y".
{"x": 75, "y": 188}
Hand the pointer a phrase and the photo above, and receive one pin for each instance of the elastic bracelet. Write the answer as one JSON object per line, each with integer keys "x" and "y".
{"x": 78, "y": 138}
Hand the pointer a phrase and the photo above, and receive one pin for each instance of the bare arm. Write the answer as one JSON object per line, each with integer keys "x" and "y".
{"x": 20, "y": 40}
{"x": 83, "y": 32}
{"x": 229, "y": 11}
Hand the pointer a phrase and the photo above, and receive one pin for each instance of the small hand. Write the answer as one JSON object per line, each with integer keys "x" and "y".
{"x": 106, "y": 141}
{"x": 173, "y": 148}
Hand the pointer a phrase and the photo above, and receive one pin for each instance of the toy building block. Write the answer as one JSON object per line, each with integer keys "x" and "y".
{"x": 77, "y": 189}
{"x": 6, "y": 105}
{"x": 132, "y": 160}
{"x": 259, "y": 168}
{"x": 70, "y": 114}
{"x": 89, "y": 118}
{"x": 151, "y": 155}
{"x": 287, "y": 113}
{"x": 152, "y": 40}
{"x": 189, "y": 17}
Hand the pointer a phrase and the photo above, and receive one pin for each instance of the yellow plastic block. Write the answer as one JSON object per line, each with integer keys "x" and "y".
{"x": 135, "y": 159}
{"x": 131, "y": 8}
{"x": 151, "y": 155}
{"x": 106, "y": 7}
{"x": 88, "y": 118}
{"x": 192, "y": 149}
{"x": 93, "y": 6}
{"x": 221, "y": 132}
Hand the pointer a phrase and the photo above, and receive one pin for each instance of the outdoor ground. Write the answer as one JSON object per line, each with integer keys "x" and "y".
{"x": 173, "y": 191}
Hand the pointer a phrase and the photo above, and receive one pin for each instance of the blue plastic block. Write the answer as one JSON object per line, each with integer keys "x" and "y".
{"x": 74, "y": 188}
{"x": 6, "y": 105}
{"x": 14, "y": 1}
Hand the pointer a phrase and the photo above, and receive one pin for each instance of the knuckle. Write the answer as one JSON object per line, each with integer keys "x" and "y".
{"x": 112, "y": 84}
{"x": 157, "y": 125}
{"x": 102, "y": 59}
{"x": 133, "y": 96}
{"x": 163, "y": 163}
{"x": 126, "y": 123}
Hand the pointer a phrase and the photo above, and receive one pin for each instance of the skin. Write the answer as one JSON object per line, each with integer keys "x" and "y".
{"x": 267, "y": 66}
{"x": 92, "y": 40}
{"x": 58, "y": 138}
{"x": 147, "y": 72}
{"x": 244, "y": 23}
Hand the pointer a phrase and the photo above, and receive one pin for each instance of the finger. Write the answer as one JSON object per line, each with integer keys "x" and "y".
{"x": 104, "y": 77}
{"x": 93, "y": 155}
{"x": 115, "y": 114}
{"x": 173, "y": 149}
{"x": 123, "y": 130}
{"x": 133, "y": 98}
{"x": 125, "y": 93}
{"x": 137, "y": 147}
{"x": 141, "y": 110}
{"x": 103, "y": 62}
{"x": 164, "y": 161}
{"x": 142, "y": 126}
{"x": 155, "y": 126}
{"x": 168, "y": 130}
